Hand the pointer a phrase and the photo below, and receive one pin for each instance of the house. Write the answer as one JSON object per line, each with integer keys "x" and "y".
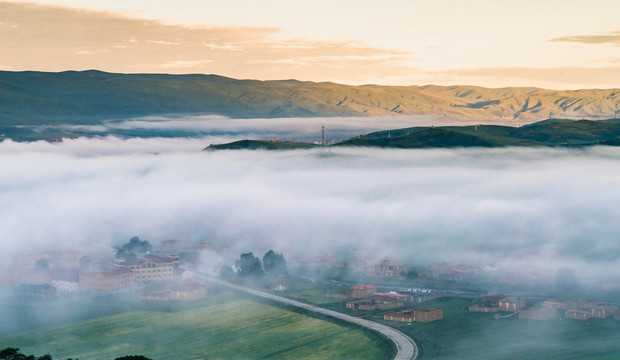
{"x": 576, "y": 314}
{"x": 65, "y": 281}
{"x": 538, "y": 313}
{"x": 415, "y": 315}
{"x": 362, "y": 291}
{"x": 355, "y": 292}
{"x": 511, "y": 304}
{"x": 107, "y": 280}
{"x": 189, "y": 292}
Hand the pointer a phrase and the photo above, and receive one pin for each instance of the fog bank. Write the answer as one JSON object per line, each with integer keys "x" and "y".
{"x": 534, "y": 207}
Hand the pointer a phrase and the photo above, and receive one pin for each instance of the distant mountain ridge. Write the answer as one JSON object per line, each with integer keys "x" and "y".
{"x": 87, "y": 97}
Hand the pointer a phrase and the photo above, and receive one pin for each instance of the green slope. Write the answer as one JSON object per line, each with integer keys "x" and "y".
{"x": 239, "y": 329}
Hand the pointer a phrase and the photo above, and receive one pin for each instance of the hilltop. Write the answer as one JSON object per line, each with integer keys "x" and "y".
{"x": 89, "y": 97}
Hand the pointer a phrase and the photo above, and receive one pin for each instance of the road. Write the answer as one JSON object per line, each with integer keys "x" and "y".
{"x": 406, "y": 347}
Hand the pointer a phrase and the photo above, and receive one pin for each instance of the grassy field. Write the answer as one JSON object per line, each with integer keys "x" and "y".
{"x": 241, "y": 329}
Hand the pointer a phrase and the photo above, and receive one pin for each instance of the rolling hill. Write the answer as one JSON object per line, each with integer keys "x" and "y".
{"x": 89, "y": 97}
{"x": 564, "y": 133}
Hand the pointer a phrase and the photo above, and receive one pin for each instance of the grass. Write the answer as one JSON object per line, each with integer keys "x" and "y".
{"x": 241, "y": 329}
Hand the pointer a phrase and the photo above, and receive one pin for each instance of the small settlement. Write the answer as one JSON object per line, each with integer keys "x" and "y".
{"x": 41, "y": 276}
{"x": 545, "y": 310}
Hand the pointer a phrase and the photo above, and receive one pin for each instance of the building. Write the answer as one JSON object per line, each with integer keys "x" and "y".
{"x": 189, "y": 292}
{"x": 387, "y": 268}
{"x": 65, "y": 281}
{"x": 575, "y": 314}
{"x": 106, "y": 281}
{"x": 415, "y": 315}
{"x": 604, "y": 311}
{"x": 152, "y": 268}
{"x": 538, "y": 313}
{"x": 511, "y": 304}
{"x": 362, "y": 291}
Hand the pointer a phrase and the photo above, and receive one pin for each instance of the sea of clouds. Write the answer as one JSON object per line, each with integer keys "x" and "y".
{"x": 536, "y": 207}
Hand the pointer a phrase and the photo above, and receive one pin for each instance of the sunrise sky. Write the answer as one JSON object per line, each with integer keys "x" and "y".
{"x": 553, "y": 44}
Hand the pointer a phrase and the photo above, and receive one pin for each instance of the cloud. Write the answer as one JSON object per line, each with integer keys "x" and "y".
{"x": 511, "y": 207}
{"x": 40, "y": 37}
{"x": 611, "y": 38}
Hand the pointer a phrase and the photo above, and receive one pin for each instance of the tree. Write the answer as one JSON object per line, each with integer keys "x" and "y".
{"x": 132, "y": 357}
{"x": 42, "y": 264}
{"x": 137, "y": 245}
{"x": 248, "y": 265}
{"x": 274, "y": 263}
{"x": 125, "y": 256}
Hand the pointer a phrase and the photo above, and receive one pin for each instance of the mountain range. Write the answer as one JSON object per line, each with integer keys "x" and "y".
{"x": 89, "y": 97}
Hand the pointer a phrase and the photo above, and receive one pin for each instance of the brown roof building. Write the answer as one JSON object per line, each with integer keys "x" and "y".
{"x": 362, "y": 291}
{"x": 415, "y": 315}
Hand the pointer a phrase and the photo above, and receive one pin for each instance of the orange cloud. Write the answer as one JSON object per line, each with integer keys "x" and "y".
{"x": 52, "y": 38}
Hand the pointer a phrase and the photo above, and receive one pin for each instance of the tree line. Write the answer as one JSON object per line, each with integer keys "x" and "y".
{"x": 15, "y": 354}
{"x": 248, "y": 265}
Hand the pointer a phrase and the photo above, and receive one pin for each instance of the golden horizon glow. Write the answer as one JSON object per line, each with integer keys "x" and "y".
{"x": 400, "y": 42}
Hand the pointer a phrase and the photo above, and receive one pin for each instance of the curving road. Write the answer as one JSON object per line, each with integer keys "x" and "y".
{"x": 406, "y": 348}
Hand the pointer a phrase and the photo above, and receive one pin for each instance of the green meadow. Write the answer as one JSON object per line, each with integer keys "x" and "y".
{"x": 241, "y": 329}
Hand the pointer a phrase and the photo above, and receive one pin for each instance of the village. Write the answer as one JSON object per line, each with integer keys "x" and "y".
{"x": 173, "y": 270}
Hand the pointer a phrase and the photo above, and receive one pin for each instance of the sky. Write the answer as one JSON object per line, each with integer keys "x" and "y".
{"x": 495, "y": 43}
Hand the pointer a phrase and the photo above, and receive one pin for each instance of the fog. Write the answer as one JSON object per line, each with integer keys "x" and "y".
{"x": 338, "y": 128}
{"x": 534, "y": 208}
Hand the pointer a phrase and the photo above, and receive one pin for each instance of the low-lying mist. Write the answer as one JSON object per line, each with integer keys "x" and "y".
{"x": 526, "y": 207}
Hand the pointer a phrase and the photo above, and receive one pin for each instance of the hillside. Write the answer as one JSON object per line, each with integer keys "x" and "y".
{"x": 545, "y": 133}
{"x": 88, "y": 97}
